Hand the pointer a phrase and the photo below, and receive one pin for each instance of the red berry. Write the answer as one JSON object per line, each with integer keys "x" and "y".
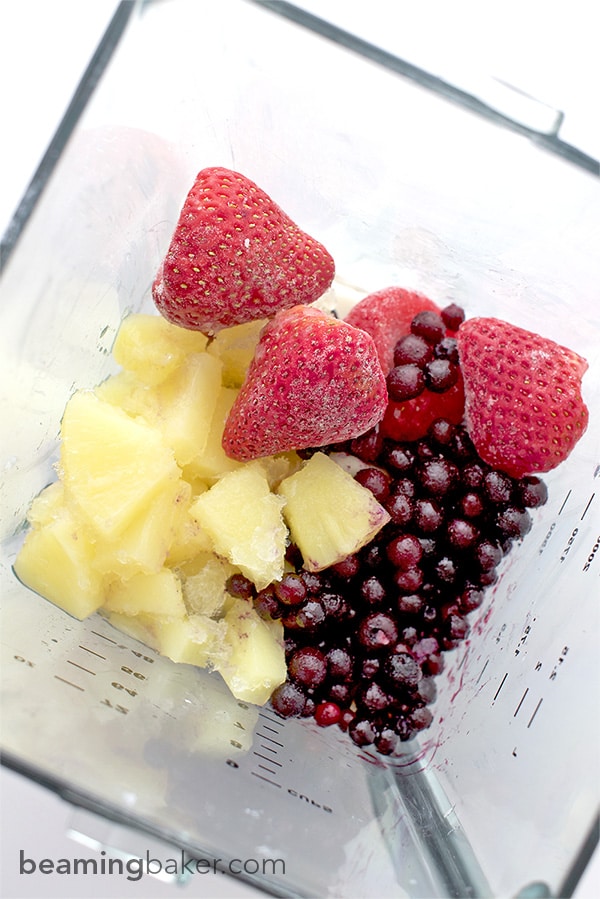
{"x": 291, "y": 589}
{"x": 440, "y": 375}
{"x": 524, "y": 409}
{"x": 236, "y": 256}
{"x": 404, "y": 551}
{"x": 314, "y": 380}
{"x": 375, "y": 480}
{"x": 453, "y": 316}
{"x": 412, "y": 349}
{"x": 405, "y": 382}
{"x": 308, "y": 667}
{"x": 327, "y": 713}
{"x": 428, "y": 325}
{"x": 288, "y": 700}
{"x": 411, "y": 419}
{"x": 386, "y": 315}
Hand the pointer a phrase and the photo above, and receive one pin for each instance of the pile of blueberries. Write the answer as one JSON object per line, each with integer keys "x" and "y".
{"x": 366, "y": 638}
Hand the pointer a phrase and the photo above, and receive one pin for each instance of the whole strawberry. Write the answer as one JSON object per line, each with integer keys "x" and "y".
{"x": 236, "y": 256}
{"x": 386, "y": 315}
{"x": 523, "y": 405}
{"x": 314, "y": 380}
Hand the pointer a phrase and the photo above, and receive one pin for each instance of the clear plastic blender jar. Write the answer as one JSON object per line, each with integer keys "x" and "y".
{"x": 499, "y": 797}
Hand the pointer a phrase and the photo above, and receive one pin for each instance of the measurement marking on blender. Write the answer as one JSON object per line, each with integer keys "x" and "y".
{"x": 266, "y": 768}
{"x": 270, "y": 739}
{"x": 267, "y": 759}
{"x": 272, "y": 729}
{"x": 521, "y": 702}
{"x": 92, "y": 652}
{"x": 70, "y": 683}
{"x": 104, "y": 637}
{"x": 278, "y": 724}
{"x": 482, "y": 670}
{"x": 500, "y": 687}
{"x": 587, "y": 507}
{"x": 81, "y": 668}
{"x": 535, "y": 711}
{"x": 268, "y": 748}
{"x": 564, "y": 502}
{"x": 266, "y": 779}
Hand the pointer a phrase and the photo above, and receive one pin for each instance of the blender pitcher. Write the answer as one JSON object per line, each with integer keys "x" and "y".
{"x": 406, "y": 182}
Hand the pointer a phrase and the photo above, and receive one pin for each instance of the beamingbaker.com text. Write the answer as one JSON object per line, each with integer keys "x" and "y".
{"x": 177, "y": 867}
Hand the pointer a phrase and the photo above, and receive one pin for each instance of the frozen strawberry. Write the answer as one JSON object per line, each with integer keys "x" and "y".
{"x": 386, "y": 315}
{"x": 523, "y": 405}
{"x": 236, "y": 256}
{"x": 313, "y": 381}
{"x": 411, "y": 419}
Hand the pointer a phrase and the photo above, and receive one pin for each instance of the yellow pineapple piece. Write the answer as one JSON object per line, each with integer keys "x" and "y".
{"x": 213, "y": 462}
{"x": 156, "y": 594}
{"x": 56, "y": 562}
{"x": 195, "y": 564}
{"x": 194, "y": 640}
{"x": 280, "y": 466}
{"x": 127, "y": 392}
{"x": 145, "y": 544}
{"x": 189, "y": 539}
{"x": 144, "y": 627}
{"x": 204, "y": 591}
{"x": 235, "y": 347}
{"x": 329, "y": 514}
{"x": 245, "y": 523}
{"x": 256, "y": 662}
{"x": 47, "y": 504}
{"x": 186, "y": 402}
{"x": 152, "y": 348}
{"x": 197, "y": 484}
{"x": 112, "y": 465}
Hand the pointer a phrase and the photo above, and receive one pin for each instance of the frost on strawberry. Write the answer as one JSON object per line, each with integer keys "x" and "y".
{"x": 523, "y": 405}
{"x": 386, "y": 315}
{"x": 235, "y": 256}
{"x": 314, "y": 380}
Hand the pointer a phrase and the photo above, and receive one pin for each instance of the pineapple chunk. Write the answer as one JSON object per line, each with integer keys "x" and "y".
{"x": 235, "y": 347}
{"x": 204, "y": 591}
{"x": 280, "y": 466}
{"x": 55, "y": 561}
{"x": 143, "y": 627}
{"x": 152, "y": 348}
{"x": 127, "y": 392}
{"x": 194, "y": 640}
{"x": 112, "y": 465}
{"x": 256, "y": 662}
{"x": 188, "y": 540}
{"x": 47, "y": 504}
{"x": 156, "y": 594}
{"x": 213, "y": 462}
{"x": 329, "y": 514}
{"x": 186, "y": 403}
{"x": 143, "y": 546}
{"x": 245, "y": 523}
{"x": 195, "y": 564}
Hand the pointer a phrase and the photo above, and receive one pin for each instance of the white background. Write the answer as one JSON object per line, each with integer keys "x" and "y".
{"x": 547, "y": 49}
